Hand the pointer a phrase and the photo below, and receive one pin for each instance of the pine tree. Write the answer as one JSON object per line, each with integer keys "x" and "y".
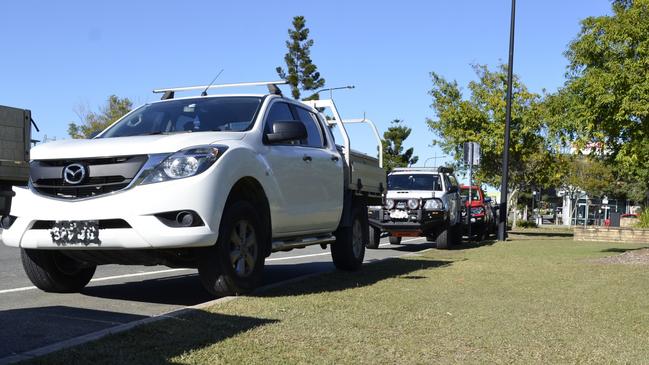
{"x": 393, "y": 155}
{"x": 300, "y": 71}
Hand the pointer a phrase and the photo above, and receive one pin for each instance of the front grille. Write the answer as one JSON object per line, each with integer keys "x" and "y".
{"x": 103, "y": 176}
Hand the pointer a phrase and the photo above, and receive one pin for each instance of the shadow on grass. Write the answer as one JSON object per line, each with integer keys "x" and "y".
{"x": 366, "y": 276}
{"x": 159, "y": 342}
{"x": 623, "y": 250}
{"x": 541, "y": 234}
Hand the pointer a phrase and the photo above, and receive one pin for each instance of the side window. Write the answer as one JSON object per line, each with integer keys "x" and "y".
{"x": 313, "y": 130}
{"x": 279, "y": 112}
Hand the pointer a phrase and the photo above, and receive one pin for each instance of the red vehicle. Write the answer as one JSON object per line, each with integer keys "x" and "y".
{"x": 482, "y": 219}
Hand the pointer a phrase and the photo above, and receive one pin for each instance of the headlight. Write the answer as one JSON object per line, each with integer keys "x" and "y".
{"x": 434, "y": 204}
{"x": 389, "y": 204}
{"x": 413, "y": 203}
{"x": 185, "y": 163}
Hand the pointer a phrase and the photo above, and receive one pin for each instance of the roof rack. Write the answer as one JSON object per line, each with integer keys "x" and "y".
{"x": 272, "y": 88}
{"x": 441, "y": 169}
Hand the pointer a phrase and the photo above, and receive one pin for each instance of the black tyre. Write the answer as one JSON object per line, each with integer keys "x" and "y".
{"x": 374, "y": 239}
{"x": 430, "y": 238}
{"x": 456, "y": 235}
{"x": 348, "y": 251}
{"x": 235, "y": 264}
{"x": 443, "y": 241}
{"x": 395, "y": 240}
{"x": 53, "y": 272}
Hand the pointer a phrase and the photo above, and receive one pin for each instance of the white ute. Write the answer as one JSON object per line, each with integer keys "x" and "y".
{"x": 210, "y": 182}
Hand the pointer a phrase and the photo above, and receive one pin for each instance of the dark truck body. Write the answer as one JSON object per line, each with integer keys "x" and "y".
{"x": 15, "y": 140}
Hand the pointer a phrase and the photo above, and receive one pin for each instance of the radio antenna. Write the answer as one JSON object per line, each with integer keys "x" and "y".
{"x": 204, "y": 93}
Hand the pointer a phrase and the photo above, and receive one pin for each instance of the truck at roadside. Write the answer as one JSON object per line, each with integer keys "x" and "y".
{"x": 213, "y": 182}
{"x": 419, "y": 202}
{"x": 15, "y": 142}
{"x": 481, "y": 220}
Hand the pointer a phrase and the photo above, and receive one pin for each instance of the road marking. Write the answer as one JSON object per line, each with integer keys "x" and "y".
{"x": 6, "y": 291}
{"x": 102, "y": 279}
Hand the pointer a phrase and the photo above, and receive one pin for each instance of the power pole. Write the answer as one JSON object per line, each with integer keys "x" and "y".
{"x": 502, "y": 221}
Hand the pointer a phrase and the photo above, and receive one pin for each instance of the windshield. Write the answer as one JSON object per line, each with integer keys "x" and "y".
{"x": 464, "y": 192}
{"x": 188, "y": 115}
{"x": 414, "y": 182}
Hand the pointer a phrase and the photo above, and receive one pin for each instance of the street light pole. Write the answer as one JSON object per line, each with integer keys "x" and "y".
{"x": 502, "y": 221}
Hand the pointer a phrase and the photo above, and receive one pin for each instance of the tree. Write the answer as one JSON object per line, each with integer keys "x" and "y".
{"x": 92, "y": 123}
{"x": 606, "y": 97}
{"x": 393, "y": 155}
{"x": 577, "y": 173}
{"x": 301, "y": 72}
{"x": 481, "y": 118}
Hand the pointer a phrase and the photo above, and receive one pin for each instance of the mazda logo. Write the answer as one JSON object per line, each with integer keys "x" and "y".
{"x": 74, "y": 173}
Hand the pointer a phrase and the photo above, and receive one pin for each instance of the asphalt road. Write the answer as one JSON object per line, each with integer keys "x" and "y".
{"x": 31, "y": 319}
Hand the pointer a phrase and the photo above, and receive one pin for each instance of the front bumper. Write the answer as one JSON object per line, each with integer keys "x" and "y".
{"x": 137, "y": 206}
{"x": 419, "y": 222}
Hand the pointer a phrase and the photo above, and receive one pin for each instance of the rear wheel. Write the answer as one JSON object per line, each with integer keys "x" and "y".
{"x": 52, "y": 271}
{"x": 374, "y": 238}
{"x": 395, "y": 240}
{"x": 235, "y": 264}
{"x": 348, "y": 251}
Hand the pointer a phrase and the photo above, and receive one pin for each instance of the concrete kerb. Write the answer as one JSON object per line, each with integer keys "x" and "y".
{"x": 80, "y": 340}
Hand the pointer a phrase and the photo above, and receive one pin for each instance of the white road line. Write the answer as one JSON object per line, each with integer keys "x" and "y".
{"x": 6, "y": 291}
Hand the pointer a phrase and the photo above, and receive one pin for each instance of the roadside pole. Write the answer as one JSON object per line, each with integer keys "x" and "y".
{"x": 502, "y": 216}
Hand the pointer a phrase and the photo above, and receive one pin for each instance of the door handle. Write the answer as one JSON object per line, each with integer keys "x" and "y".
{"x": 307, "y": 158}
{"x": 334, "y": 158}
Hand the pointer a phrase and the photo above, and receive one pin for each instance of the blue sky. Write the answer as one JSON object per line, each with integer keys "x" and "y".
{"x": 59, "y": 55}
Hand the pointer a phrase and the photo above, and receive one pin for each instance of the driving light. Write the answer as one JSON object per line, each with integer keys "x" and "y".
{"x": 434, "y": 204}
{"x": 185, "y": 163}
{"x": 413, "y": 203}
{"x": 389, "y": 204}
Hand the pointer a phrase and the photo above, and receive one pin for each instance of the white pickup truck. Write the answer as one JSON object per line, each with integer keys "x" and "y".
{"x": 216, "y": 183}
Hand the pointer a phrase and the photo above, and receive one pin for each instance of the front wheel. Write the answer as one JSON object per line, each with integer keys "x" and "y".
{"x": 53, "y": 272}
{"x": 348, "y": 251}
{"x": 374, "y": 238}
{"x": 235, "y": 264}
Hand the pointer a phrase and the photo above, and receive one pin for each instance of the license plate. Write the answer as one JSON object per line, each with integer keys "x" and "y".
{"x": 75, "y": 233}
{"x": 399, "y": 214}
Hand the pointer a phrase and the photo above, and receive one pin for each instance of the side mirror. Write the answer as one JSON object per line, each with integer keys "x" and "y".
{"x": 452, "y": 189}
{"x": 487, "y": 200}
{"x": 287, "y": 131}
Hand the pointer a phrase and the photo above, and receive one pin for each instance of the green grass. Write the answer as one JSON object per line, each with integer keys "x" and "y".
{"x": 531, "y": 301}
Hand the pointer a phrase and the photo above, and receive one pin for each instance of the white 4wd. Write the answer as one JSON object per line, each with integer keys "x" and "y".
{"x": 419, "y": 202}
{"x": 213, "y": 182}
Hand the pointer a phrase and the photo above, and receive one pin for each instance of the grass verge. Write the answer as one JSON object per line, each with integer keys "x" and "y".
{"x": 531, "y": 301}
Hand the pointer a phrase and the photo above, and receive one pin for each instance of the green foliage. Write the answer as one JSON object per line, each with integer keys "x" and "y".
{"x": 575, "y": 173}
{"x": 393, "y": 155}
{"x": 643, "y": 219}
{"x": 526, "y": 224}
{"x": 93, "y": 122}
{"x": 481, "y": 118}
{"x": 300, "y": 71}
{"x": 606, "y": 98}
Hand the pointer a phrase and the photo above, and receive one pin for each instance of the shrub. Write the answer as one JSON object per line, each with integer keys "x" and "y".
{"x": 526, "y": 224}
{"x": 643, "y": 219}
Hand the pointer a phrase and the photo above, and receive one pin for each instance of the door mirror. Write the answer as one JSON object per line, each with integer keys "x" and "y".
{"x": 452, "y": 189}
{"x": 287, "y": 131}
{"x": 487, "y": 200}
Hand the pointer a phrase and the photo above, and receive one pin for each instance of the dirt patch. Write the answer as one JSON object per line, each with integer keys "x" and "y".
{"x": 633, "y": 257}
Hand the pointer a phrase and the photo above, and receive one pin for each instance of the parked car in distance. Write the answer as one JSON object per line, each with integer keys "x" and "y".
{"x": 419, "y": 202}
{"x": 482, "y": 219}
